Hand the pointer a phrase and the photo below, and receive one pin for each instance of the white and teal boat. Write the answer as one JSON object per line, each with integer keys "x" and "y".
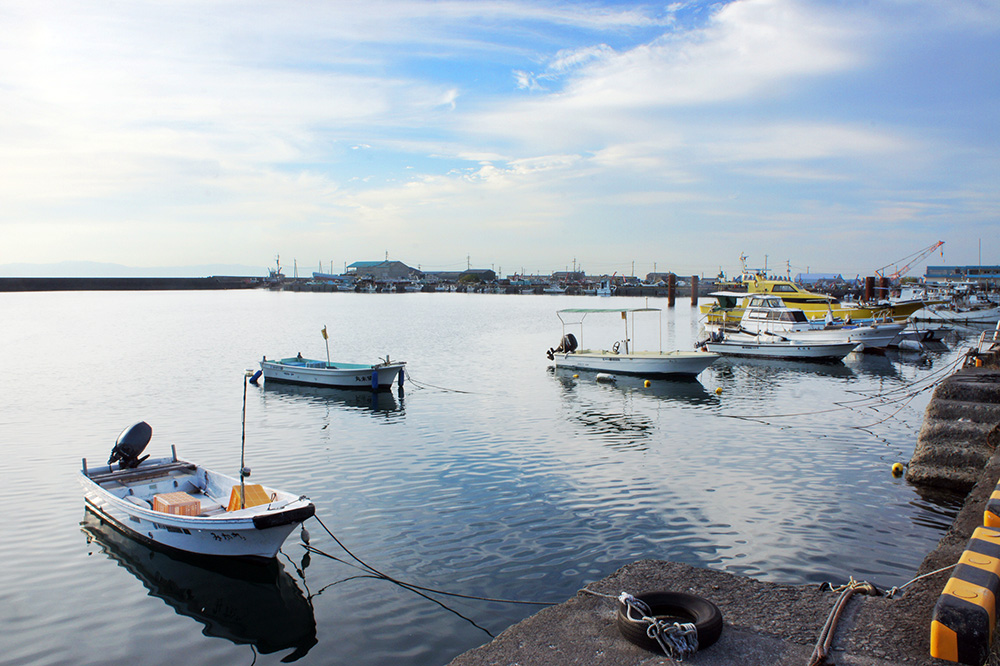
{"x": 623, "y": 357}
{"x": 334, "y": 374}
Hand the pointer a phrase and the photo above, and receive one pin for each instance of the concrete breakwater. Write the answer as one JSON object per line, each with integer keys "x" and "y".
{"x": 774, "y": 624}
{"x": 125, "y": 283}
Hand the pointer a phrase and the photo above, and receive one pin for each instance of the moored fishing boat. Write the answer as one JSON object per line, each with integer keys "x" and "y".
{"x": 184, "y": 506}
{"x": 773, "y": 346}
{"x": 765, "y": 314}
{"x": 814, "y": 304}
{"x": 332, "y": 374}
{"x": 335, "y": 374}
{"x": 622, "y": 357}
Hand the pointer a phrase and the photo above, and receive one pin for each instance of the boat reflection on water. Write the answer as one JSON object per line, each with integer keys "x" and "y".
{"x": 375, "y": 401}
{"x": 877, "y": 365}
{"x": 243, "y": 602}
{"x": 767, "y": 367}
{"x": 687, "y": 390}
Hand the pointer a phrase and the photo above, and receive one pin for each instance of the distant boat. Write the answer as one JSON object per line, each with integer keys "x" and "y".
{"x": 186, "y": 507}
{"x": 621, "y": 359}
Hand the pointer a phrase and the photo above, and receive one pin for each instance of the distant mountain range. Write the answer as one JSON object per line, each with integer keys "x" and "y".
{"x": 96, "y": 269}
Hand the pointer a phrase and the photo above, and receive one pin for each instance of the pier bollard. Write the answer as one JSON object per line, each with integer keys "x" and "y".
{"x": 991, "y": 515}
{"x": 964, "y": 616}
{"x": 694, "y": 290}
{"x": 671, "y": 289}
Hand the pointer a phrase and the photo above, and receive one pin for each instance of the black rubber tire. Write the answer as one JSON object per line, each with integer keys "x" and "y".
{"x": 677, "y": 606}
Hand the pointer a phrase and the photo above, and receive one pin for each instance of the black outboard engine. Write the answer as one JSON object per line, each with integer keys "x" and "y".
{"x": 567, "y": 345}
{"x": 130, "y": 444}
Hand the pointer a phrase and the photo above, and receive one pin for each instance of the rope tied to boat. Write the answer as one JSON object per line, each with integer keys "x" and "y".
{"x": 677, "y": 639}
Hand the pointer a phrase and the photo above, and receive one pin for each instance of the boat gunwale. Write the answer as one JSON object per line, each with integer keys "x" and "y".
{"x": 161, "y": 467}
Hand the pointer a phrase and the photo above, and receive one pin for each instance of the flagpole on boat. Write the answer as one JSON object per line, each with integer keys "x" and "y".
{"x": 327, "y": 341}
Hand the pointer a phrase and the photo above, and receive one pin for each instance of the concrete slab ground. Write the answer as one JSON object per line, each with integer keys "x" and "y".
{"x": 764, "y": 624}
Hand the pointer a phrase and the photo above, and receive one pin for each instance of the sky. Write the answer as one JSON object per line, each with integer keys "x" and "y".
{"x": 835, "y": 136}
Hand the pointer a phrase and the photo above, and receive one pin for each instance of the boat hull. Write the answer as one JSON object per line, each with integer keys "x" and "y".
{"x": 649, "y": 364}
{"x": 253, "y": 532}
{"x": 876, "y": 336}
{"x": 335, "y": 375}
{"x": 827, "y": 352}
{"x": 977, "y": 317}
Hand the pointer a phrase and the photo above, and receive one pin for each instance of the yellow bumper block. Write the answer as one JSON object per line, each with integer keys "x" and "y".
{"x": 964, "y": 618}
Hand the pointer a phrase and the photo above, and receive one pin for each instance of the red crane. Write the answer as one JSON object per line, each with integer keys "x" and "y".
{"x": 913, "y": 258}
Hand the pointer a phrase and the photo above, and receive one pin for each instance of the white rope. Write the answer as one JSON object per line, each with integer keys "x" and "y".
{"x": 676, "y": 639}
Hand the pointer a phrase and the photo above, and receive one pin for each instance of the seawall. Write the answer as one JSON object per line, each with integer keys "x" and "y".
{"x": 124, "y": 283}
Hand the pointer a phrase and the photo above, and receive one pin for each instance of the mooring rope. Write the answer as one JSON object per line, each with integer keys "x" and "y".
{"x": 409, "y": 379}
{"x": 860, "y": 403}
{"x": 822, "y": 648}
{"x": 848, "y": 590}
{"x": 367, "y": 567}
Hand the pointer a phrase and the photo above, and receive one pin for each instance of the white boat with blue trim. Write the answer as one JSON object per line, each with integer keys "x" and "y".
{"x": 622, "y": 357}
{"x": 774, "y": 346}
{"x": 767, "y": 315}
{"x": 183, "y": 506}
{"x": 334, "y": 374}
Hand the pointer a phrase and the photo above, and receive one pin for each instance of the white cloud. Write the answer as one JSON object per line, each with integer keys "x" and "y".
{"x": 331, "y": 116}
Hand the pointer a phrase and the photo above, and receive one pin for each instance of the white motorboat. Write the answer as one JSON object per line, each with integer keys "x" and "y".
{"x": 336, "y": 374}
{"x": 183, "y": 506}
{"x": 980, "y": 314}
{"x": 622, "y": 358}
{"x": 773, "y": 346}
{"x": 768, "y": 315}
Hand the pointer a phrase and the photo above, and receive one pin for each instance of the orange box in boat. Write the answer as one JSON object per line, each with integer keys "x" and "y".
{"x": 255, "y": 495}
{"x": 179, "y": 504}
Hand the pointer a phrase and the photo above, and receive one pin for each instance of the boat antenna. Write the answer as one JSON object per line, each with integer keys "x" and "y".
{"x": 326, "y": 339}
{"x": 243, "y": 444}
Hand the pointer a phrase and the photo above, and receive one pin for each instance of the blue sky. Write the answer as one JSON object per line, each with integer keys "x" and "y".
{"x": 828, "y": 136}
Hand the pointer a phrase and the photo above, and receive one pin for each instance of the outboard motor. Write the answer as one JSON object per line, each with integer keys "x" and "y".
{"x": 567, "y": 345}
{"x": 130, "y": 444}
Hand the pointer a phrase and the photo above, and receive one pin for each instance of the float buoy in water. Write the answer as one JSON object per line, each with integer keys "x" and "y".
{"x": 718, "y": 390}
{"x": 647, "y": 383}
{"x": 898, "y": 469}
{"x": 604, "y": 377}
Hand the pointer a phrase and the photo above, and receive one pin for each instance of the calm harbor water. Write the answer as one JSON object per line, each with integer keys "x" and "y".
{"x": 490, "y": 475}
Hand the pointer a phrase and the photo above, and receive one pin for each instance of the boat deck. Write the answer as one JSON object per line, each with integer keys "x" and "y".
{"x": 322, "y": 365}
{"x": 170, "y": 477}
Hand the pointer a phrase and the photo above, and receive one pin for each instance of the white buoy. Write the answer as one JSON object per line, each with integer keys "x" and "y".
{"x": 603, "y": 377}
